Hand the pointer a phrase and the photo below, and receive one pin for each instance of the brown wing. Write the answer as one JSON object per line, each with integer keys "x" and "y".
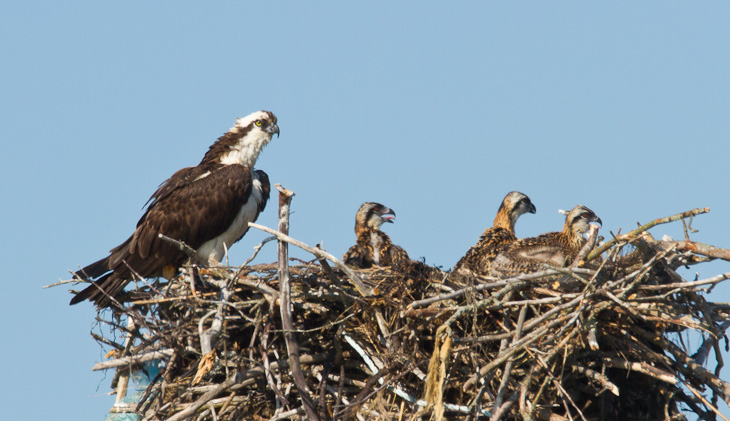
{"x": 180, "y": 179}
{"x": 362, "y": 254}
{"x": 530, "y": 255}
{"x": 193, "y": 213}
{"x": 394, "y": 256}
{"x": 358, "y": 257}
{"x": 478, "y": 259}
{"x": 188, "y": 208}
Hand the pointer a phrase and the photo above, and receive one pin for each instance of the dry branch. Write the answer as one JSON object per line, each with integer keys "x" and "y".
{"x": 285, "y": 307}
{"x": 354, "y": 278}
{"x": 635, "y": 233}
{"x": 133, "y": 359}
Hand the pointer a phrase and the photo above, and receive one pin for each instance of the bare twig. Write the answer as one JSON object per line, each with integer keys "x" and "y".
{"x": 257, "y": 249}
{"x": 356, "y": 281}
{"x": 192, "y": 409}
{"x": 597, "y": 377}
{"x": 481, "y": 287}
{"x": 642, "y": 367}
{"x": 686, "y": 285}
{"x": 702, "y": 398}
{"x": 133, "y": 359}
{"x": 635, "y": 233}
{"x": 62, "y": 282}
{"x": 181, "y": 246}
{"x": 285, "y": 307}
{"x": 508, "y": 366}
{"x": 207, "y": 337}
{"x": 398, "y": 391}
{"x": 709, "y": 343}
{"x": 696, "y": 248}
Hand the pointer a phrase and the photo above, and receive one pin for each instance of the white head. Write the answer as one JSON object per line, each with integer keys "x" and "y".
{"x": 245, "y": 140}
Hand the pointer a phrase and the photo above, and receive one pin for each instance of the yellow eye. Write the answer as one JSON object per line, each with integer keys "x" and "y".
{"x": 258, "y": 123}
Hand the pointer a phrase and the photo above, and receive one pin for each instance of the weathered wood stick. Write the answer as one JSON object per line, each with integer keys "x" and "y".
{"x": 192, "y": 409}
{"x": 189, "y": 251}
{"x": 285, "y": 307}
{"x": 635, "y": 233}
{"x": 480, "y": 287}
{"x": 697, "y": 248}
{"x": 354, "y": 279}
{"x": 134, "y": 359}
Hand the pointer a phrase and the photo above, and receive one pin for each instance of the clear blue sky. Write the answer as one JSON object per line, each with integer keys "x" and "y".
{"x": 436, "y": 110}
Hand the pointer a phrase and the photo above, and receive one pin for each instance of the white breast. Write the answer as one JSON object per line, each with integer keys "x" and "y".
{"x": 213, "y": 251}
{"x": 375, "y": 243}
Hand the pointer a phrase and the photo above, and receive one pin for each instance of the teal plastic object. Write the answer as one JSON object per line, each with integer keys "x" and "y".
{"x": 138, "y": 382}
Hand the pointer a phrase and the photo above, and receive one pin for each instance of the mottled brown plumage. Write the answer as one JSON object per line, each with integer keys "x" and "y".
{"x": 477, "y": 260}
{"x": 373, "y": 246}
{"x": 207, "y": 207}
{"x": 553, "y": 248}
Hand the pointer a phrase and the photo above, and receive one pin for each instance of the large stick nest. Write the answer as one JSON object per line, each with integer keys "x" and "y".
{"x": 602, "y": 340}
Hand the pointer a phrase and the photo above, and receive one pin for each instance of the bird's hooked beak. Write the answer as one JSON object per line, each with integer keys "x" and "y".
{"x": 531, "y": 208}
{"x": 274, "y": 128}
{"x": 388, "y": 215}
{"x": 597, "y": 220}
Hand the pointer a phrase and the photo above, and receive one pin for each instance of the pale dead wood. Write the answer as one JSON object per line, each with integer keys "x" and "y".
{"x": 133, "y": 359}
{"x": 203, "y": 400}
{"x": 481, "y": 287}
{"x": 257, "y": 249}
{"x": 635, "y": 233}
{"x": 285, "y": 307}
{"x": 354, "y": 278}
{"x": 705, "y": 401}
{"x": 189, "y": 251}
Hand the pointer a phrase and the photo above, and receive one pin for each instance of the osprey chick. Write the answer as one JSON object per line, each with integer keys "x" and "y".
{"x": 553, "y": 248}
{"x": 373, "y": 247}
{"x": 477, "y": 260}
{"x": 207, "y": 207}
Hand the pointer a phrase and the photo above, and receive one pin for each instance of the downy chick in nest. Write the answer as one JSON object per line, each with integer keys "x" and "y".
{"x": 373, "y": 246}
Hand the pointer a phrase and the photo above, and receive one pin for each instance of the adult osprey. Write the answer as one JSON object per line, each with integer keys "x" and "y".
{"x": 558, "y": 248}
{"x": 477, "y": 260}
{"x": 373, "y": 246}
{"x": 207, "y": 207}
